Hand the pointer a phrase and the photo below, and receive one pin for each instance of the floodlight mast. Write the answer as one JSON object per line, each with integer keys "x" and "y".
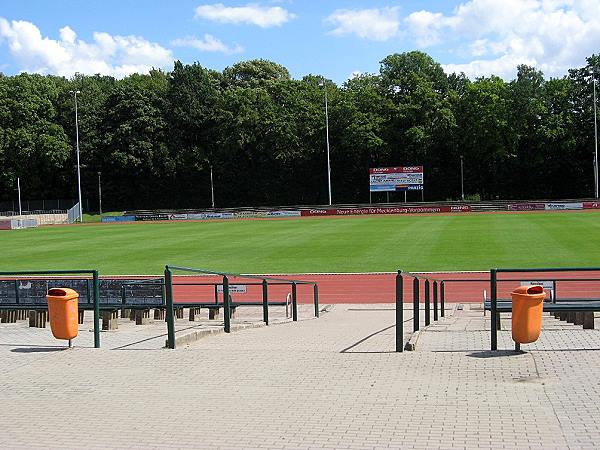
{"x": 78, "y": 165}
{"x": 322, "y": 84}
{"x": 593, "y": 73}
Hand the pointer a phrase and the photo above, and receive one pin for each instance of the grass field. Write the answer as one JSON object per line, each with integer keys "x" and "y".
{"x": 349, "y": 244}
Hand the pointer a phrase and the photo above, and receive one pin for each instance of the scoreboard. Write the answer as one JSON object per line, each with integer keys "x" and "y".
{"x": 396, "y": 179}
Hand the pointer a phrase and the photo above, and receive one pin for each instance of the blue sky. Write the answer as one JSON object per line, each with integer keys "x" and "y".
{"x": 334, "y": 38}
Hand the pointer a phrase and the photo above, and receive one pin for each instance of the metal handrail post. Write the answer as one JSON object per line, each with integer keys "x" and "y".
{"x": 265, "y": 293}
{"x": 416, "y": 304}
{"x": 316, "y": 299}
{"x": 435, "y": 301}
{"x": 494, "y": 312}
{"x": 96, "y": 279}
{"x": 226, "y": 306}
{"x": 294, "y": 303}
{"x": 170, "y": 312}
{"x": 442, "y": 299}
{"x": 399, "y": 312}
{"x": 427, "y": 304}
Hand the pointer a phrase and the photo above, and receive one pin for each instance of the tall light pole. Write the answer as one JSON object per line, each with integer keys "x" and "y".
{"x": 593, "y": 72}
{"x": 78, "y": 167}
{"x": 212, "y": 189}
{"x": 19, "y": 193}
{"x": 100, "y": 192}
{"x": 322, "y": 84}
{"x": 462, "y": 179}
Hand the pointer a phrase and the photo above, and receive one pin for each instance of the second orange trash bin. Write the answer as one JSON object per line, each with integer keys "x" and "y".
{"x": 527, "y": 308}
{"x": 63, "y": 309}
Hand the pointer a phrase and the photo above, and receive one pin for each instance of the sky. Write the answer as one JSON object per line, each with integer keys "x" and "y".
{"x": 334, "y": 38}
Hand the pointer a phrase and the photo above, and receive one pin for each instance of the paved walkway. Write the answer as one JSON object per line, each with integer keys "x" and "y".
{"x": 329, "y": 383}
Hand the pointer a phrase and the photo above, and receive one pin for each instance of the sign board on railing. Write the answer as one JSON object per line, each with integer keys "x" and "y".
{"x": 233, "y": 289}
{"x": 545, "y": 284}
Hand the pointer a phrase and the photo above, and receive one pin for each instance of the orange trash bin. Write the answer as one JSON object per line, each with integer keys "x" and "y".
{"x": 63, "y": 308}
{"x": 527, "y": 308}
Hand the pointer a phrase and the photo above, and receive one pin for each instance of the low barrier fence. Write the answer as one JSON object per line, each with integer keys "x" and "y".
{"x": 227, "y": 304}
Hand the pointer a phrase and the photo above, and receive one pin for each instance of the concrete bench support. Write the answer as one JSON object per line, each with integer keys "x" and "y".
{"x": 8, "y": 316}
{"x": 110, "y": 320}
{"x": 142, "y": 316}
{"x": 588, "y": 320}
{"x": 194, "y": 312}
{"x": 214, "y": 313}
{"x": 37, "y": 319}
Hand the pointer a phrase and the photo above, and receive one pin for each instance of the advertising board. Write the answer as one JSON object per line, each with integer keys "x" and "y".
{"x": 375, "y": 211}
{"x": 396, "y": 179}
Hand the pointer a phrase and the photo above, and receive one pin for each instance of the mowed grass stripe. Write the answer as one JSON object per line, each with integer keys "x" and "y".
{"x": 349, "y": 244}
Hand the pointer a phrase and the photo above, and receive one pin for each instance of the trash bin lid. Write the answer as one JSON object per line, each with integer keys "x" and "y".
{"x": 62, "y": 292}
{"x": 531, "y": 290}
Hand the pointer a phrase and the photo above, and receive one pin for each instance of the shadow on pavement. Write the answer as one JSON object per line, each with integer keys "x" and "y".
{"x": 38, "y": 349}
{"x": 495, "y": 354}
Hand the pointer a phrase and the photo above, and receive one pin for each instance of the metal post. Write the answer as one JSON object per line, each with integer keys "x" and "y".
{"x": 416, "y": 304}
{"x": 399, "y": 312}
{"x": 494, "y": 312}
{"x": 442, "y": 299}
{"x": 316, "y": 299}
{"x": 100, "y": 192}
{"x": 595, "y": 138}
{"x": 462, "y": 180}
{"x": 265, "y": 292}
{"x": 427, "y": 304}
{"x": 212, "y": 189}
{"x": 170, "y": 312}
{"x": 322, "y": 83}
{"x": 78, "y": 165}
{"x": 19, "y": 193}
{"x": 435, "y": 301}
{"x": 294, "y": 303}
{"x": 226, "y": 305}
{"x": 96, "y": 309}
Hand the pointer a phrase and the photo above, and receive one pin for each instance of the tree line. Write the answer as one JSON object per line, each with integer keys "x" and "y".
{"x": 155, "y": 137}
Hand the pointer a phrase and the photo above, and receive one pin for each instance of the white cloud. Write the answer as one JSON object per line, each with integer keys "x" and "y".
{"x": 373, "y": 24}
{"x": 208, "y": 44}
{"x": 118, "y": 56}
{"x": 251, "y": 14}
{"x": 552, "y": 35}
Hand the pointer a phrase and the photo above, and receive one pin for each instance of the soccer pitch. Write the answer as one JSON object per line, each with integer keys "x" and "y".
{"x": 348, "y": 244}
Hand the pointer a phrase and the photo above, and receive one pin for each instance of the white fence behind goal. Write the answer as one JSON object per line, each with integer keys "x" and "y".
{"x": 73, "y": 213}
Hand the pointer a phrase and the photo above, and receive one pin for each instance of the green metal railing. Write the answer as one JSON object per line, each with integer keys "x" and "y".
{"x": 96, "y": 291}
{"x": 264, "y": 282}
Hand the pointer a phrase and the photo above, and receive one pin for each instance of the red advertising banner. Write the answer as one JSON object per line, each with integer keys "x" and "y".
{"x": 591, "y": 205}
{"x": 375, "y": 211}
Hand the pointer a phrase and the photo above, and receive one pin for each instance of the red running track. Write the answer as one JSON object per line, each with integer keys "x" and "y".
{"x": 380, "y": 287}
